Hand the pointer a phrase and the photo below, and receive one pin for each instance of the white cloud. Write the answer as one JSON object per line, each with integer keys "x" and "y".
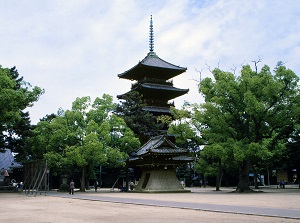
{"x": 77, "y": 48}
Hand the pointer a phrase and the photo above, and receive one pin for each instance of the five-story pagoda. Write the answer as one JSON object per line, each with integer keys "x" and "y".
{"x": 159, "y": 156}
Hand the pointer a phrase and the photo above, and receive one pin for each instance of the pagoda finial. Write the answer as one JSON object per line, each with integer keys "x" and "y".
{"x": 151, "y": 36}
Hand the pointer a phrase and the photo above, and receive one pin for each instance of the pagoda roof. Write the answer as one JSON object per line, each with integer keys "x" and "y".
{"x": 160, "y": 145}
{"x": 159, "y": 151}
{"x": 154, "y": 67}
{"x": 159, "y": 91}
{"x": 162, "y": 87}
{"x": 167, "y": 92}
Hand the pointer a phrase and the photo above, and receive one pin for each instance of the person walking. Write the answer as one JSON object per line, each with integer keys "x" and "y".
{"x": 72, "y": 186}
{"x": 21, "y": 186}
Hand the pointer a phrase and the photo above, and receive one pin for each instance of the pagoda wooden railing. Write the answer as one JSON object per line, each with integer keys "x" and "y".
{"x": 153, "y": 81}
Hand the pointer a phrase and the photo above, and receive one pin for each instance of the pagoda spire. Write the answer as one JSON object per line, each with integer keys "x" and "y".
{"x": 151, "y": 36}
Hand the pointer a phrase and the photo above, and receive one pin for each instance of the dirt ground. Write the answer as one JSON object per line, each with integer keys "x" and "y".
{"x": 44, "y": 209}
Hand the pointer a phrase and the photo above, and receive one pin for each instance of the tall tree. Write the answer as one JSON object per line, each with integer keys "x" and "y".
{"x": 142, "y": 123}
{"x": 186, "y": 136}
{"x": 84, "y": 136}
{"x": 254, "y": 111}
{"x": 15, "y": 96}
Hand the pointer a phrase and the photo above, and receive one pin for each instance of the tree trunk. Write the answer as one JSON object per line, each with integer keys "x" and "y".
{"x": 218, "y": 182}
{"x": 243, "y": 185}
{"x": 268, "y": 176}
{"x": 127, "y": 176}
{"x": 255, "y": 180}
{"x": 204, "y": 181}
{"x": 218, "y": 178}
{"x": 82, "y": 182}
{"x": 87, "y": 183}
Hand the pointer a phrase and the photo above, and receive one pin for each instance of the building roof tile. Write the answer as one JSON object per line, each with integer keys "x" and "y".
{"x": 159, "y": 145}
{"x": 152, "y": 66}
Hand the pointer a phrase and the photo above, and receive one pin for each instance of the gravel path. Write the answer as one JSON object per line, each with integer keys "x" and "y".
{"x": 202, "y": 205}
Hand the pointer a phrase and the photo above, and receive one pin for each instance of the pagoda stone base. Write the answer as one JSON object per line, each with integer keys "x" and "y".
{"x": 159, "y": 180}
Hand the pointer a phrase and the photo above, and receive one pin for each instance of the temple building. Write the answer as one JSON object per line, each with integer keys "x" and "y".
{"x": 159, "y": 157}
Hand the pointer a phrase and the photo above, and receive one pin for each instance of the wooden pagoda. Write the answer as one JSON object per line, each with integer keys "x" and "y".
{"x": 152, "y": 76}
{"x": 159, "y": 157}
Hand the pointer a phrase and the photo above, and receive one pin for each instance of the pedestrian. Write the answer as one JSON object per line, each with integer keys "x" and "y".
{"x": 72, "y": 186}
{"x": 96, "y": 185}
{"x": 131, "y": 185}
{"x": 21, "y": 186}
{"x": 20, "y": 189}
{"x": 281, "y": 183}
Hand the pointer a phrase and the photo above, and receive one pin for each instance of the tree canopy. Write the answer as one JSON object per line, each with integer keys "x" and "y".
{"x": 246, "y": 119}
{"x": 15, "y": 96}
{"x": 252, "y": 114}
{"x": 87, "y": 135}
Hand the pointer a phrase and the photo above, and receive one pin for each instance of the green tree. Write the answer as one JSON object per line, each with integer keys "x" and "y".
{"x": 143, "y": 123}
{"x": 253, "y": 113}
{"x": 186, "y": 136}
{"x": 214, "y": 160}
{"x": 15, "y": 96}
{"x": 180, "y": 127}
{"x": 85, "y": 136}
{"x": 290, "y": 159}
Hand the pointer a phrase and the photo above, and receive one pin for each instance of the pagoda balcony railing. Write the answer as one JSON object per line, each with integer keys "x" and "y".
{"x": 152, "y": 81}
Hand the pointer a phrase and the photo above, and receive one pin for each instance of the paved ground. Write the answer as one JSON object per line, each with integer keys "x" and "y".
{"x": 203, "y": 204}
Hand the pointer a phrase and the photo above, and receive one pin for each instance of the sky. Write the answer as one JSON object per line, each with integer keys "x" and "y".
{"x": 76, "y": 48}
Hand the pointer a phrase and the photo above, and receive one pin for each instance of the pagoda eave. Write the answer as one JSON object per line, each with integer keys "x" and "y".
{"x": 140, "y": 71}
{"x": 145, "y": 164}
{"x": 163, "y": 92}
{"x": 156, "y": 94}
{"x": 142, "y": 162}
{"x": 153, "y": 67}
{"x": 159, "y": 154}
{"x": 159, "y": 145}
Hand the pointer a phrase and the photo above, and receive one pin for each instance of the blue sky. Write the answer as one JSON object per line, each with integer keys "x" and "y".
{"x": 77, "y": 48}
